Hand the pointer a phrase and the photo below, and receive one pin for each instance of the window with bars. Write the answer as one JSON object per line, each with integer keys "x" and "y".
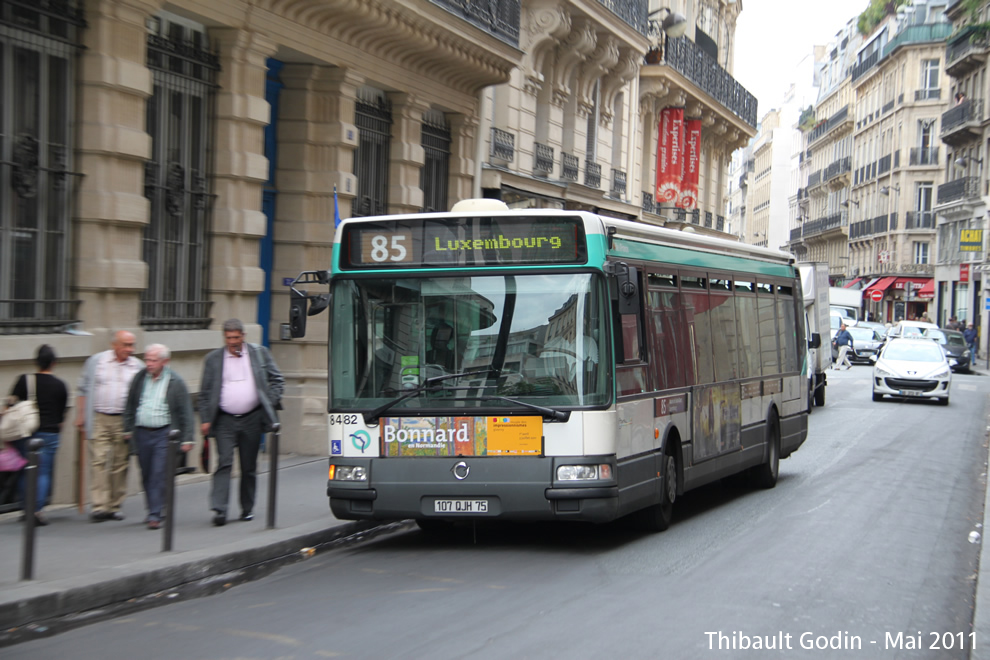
{"x": 436, "y": 170}
{"x": 373, "y": 118}
{"x": 38, "y": 47}
{"x": 177, "y": 179}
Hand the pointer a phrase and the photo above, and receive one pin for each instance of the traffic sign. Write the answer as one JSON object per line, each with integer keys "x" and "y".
{"x": 987, "y": 307}
{"x": 876, "y": 295}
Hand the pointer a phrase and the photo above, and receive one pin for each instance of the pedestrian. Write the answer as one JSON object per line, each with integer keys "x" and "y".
{"x": 953, "y": 324}
{"x": 53, "y": 399}
{"x": 960, "y": 97}
{"x": 239, "y": 394}
{"x": 103, "y": 386}
{"x": 844, "y": 341}
{"x": 157, "y": 402}
{"x": 970, "y": 335}
{"x": 924, "y": 318}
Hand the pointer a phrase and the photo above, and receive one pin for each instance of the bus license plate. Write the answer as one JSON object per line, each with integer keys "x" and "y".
{"x": 460, "y": 506}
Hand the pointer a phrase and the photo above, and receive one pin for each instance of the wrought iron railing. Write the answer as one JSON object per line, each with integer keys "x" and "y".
{"x": 685, "y": 57}
{"x": 923, "y": 156}
{"x": 709, "y": 219}
{"x": 826, "y": 127}
{"x": 28, "y": 317}
{"x": 970, "y": 110}
{"x": 814, "y": 179}
{"x": 696, "y": 217}
{"x": 883, "y": 165}
{"x": 838, "y": 167}
{"x": 542, "y": 158}
{"x": 865, "y": 65}
{"x": 503, "y": 144}
{"x": 720, "y": 223}
{"x": 824, "y": 224}
{"x": 649, "y": 205}
{"x": 568, "y": 167}
{"x": 618, "y": 183}
{"x": 497, "y": 17}
{"x": 175, "y": 314}
{"x": 633, "y": 12}
{"x": 592, "y": 174}
{"x": 919, "y": 220}
{"x": 966, "y": 187}
{"x": 966, "y": 41}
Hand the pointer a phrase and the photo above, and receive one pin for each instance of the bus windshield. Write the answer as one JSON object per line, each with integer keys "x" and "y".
{"x": 540, "y": 338}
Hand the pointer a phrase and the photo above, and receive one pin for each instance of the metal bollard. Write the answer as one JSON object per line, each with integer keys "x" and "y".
{"x": 170, "y": 461}
{"x": 30, "y": 497}
{"x": 272, "y": 474}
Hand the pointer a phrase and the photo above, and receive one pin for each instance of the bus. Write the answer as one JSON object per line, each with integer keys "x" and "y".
{"x": 536, "y": 365}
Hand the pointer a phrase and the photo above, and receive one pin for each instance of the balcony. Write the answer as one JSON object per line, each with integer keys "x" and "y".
{"x": 839, "y": 120}
{"x": 822, "y": 225}
{"x": 497, "y": 17}
{"x": 961, "y": 124}
{"x": 618, "y": 184}
{"x": 967, "y": 187}
{"x": 919, "y": 220}
{"x": 633, "y": 12}
{"x": 685, "y": 57}
{"x": 924, "y": 156}
{"x": 649, "y": 206}
{"x": 568, "y": 167}
{"x": 837, "y": 174}
{"x": 503, "y": 145}
{"x": 709, "y": 219}
{"x": 814, "y": 179}
{"x": 542, "y": 159}
{"x": 592, "y": 174}
{"x": 870, "y": 61}
{"x": 883, "y": 165}
{"x": 967, "y": 50}
{"x": 719, "y": 223}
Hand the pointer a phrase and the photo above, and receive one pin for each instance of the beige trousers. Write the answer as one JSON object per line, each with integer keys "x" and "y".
{"x": 109, "y": 455}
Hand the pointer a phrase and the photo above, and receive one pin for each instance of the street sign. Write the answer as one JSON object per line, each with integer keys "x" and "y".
{"x": 987, "y": 306}
{"x": 876, "y": 295}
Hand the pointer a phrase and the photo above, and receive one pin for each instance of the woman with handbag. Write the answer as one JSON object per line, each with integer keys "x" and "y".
{"x": 52, "y": 396}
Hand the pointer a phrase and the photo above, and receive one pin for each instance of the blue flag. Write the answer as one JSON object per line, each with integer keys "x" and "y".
{"x": 336, "y": 209}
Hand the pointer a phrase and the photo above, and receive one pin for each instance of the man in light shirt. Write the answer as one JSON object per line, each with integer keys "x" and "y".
{"x": 103, "y": 385}
{"x": 239, "y": 393}
{"x": 157, "y": 402}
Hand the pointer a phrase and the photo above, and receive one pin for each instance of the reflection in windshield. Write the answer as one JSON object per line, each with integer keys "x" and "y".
{"x": 540, "y": 338}
{"x": 914, "y": 351}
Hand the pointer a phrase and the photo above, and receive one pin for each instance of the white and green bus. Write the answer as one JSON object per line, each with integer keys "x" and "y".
{"x": 551, "y": 365}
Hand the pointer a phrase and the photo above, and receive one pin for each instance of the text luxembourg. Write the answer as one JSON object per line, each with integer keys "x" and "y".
{"x": 498, "y": 243}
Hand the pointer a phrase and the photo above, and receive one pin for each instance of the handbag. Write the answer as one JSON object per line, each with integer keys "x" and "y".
{"x": 21, "y": 419}
{"x": 11, "y": 460}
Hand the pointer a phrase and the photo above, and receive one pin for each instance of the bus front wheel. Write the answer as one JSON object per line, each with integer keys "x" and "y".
{"x": 656, "y": 518}
{"x": 765, "y": 475}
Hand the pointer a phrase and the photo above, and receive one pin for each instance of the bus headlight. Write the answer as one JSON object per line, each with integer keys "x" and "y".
{"x": 584, "y": 472}
{"x": 348, "y": 473}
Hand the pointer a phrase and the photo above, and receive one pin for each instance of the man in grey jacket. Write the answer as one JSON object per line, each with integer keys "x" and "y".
{"x": 239, "y": 393}
{"x": 157, "y": 403}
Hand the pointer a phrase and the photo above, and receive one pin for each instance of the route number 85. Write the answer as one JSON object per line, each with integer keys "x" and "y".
{"x": 381, "y": 250}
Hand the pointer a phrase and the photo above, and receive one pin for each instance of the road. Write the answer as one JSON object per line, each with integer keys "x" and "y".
{"x": 864, "y": 542}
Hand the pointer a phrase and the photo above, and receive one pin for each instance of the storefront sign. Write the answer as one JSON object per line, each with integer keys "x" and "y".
{"x": 971, "y": 240}
{"x": 964, "y": 272}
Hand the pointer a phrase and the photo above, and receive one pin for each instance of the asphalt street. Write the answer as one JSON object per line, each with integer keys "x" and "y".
{"x": 864, "y": 544}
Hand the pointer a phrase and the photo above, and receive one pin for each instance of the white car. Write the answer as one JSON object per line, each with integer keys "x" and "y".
{"x": 912, "y": 368}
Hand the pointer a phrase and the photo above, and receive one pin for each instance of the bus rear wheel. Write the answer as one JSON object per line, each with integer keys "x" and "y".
{"x": 765, "y": 475}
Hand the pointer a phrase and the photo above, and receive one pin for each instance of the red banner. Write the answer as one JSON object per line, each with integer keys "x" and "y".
{"x": 692, "y": 160}
{"x": 670, "y": 154}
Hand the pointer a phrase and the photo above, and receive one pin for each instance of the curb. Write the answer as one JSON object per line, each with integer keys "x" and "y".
{"x": 27, "y": 617}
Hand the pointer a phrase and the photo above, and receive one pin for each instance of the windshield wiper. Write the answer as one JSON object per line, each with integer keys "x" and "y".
{"x": 549, "y": 414}
{"x": 429, "y": 385}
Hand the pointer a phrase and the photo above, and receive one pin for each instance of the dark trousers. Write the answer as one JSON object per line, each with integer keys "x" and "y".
{"x": 152, "y": 451}
{"x": 244, "y": 433}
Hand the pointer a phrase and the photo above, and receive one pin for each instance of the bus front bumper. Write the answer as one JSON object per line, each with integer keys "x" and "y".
{"x": 473, "y": 488}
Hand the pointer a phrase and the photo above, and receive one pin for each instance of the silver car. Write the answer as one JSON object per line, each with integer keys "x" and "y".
{"x": 912, "y": 368}
{"x": 866, "y": 343}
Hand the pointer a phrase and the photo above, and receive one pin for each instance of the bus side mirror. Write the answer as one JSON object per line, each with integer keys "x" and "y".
{"x": 298, "y": 300}
{"x": 626, "y": 292}
{"x": 815, "y": 341}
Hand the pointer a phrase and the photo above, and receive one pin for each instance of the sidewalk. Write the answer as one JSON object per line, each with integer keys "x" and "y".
{"x": 81, "y": 565}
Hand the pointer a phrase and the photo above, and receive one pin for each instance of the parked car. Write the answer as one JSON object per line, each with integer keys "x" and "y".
{"x": 866, "y": 343}
{"x": 912, "y": 368}
{"x": 879, "y": 327}
{"x": 954, "y": 344}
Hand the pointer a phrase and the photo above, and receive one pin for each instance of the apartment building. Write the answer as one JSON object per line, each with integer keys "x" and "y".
{"x": 577, "y": 125}
{"x": 961, "y": 204}
{"x": 742, "y": 167}
{"x": 821, "y": 234}
{"x": 901, "y": 91}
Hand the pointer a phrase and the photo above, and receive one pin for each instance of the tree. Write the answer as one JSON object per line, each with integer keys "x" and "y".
{"x": 876, "y": 11}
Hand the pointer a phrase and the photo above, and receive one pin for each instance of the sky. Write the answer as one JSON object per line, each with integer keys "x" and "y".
{"x": 773, "y": 35}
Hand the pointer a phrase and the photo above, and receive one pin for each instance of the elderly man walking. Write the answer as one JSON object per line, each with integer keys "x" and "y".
{"x": 103, "y": 385}
{"x": 239, "y": 393}
{"x": 157, "y": 402}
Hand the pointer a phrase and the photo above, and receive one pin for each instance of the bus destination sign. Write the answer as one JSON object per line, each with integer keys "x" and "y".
{"x": 458, "y": 242}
